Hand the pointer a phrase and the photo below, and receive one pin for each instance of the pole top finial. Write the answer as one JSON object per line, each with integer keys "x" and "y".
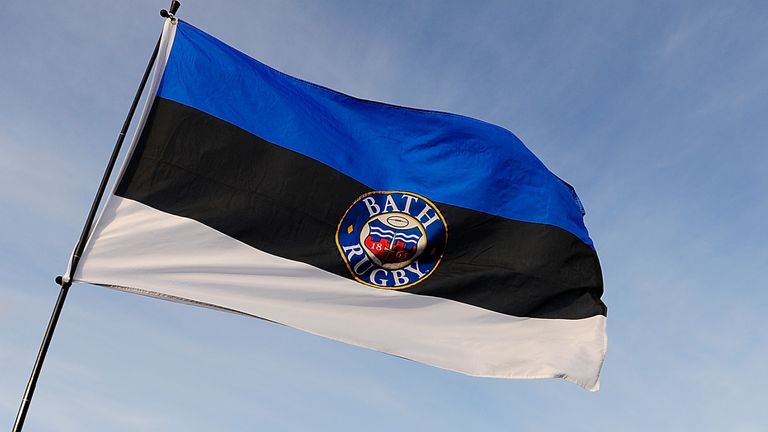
{"x": 172, "y": 9}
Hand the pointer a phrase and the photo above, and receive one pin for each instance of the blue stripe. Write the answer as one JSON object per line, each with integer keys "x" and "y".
{"x": 446, "y": 157}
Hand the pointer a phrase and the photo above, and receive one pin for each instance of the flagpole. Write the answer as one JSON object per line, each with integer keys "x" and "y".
{"x": 65, "y": 284}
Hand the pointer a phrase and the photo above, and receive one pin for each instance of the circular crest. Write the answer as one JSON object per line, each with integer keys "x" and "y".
{"x": 391, "y": 239}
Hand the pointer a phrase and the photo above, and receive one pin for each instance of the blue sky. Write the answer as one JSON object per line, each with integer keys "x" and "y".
{"x": 655, "y": 111}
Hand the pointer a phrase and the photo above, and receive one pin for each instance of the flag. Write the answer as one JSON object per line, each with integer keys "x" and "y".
{"x": 426, "y": 235}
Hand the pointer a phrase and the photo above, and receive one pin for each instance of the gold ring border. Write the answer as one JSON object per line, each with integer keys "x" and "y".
{"x": 346, "y": 262}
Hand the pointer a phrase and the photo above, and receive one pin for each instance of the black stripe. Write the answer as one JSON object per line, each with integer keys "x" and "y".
{"x": 194, "y": 165}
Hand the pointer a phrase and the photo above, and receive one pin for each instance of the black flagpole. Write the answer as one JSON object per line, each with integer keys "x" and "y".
{"x": 30, "y": 390}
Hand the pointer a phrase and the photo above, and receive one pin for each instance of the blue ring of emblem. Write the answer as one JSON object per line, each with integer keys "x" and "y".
{"x": 391, "y": 239}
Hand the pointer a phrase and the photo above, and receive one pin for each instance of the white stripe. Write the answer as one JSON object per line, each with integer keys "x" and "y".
{"x": 381, "y": 232}
{"x": 163, "y": 52}
{"x": 406, "y": 238}
{"x": 378, "y": 230}
{"x": 159, "y": 254}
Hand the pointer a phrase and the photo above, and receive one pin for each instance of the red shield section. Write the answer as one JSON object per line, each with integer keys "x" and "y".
{"x": 387, "y": 253}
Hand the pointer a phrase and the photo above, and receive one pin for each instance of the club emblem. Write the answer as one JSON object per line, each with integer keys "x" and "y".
{"x": 391, "y": 239}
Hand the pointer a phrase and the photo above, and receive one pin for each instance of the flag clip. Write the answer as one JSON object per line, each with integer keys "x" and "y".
{"x": 165, "y": 14}
{"x": 171, "y": 12}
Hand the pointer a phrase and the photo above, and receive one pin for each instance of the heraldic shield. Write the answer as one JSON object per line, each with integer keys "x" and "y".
{"x": 393, "y": 240}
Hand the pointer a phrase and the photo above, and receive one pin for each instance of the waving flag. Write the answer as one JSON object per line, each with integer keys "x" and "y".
{"x": 422, "y": 234}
